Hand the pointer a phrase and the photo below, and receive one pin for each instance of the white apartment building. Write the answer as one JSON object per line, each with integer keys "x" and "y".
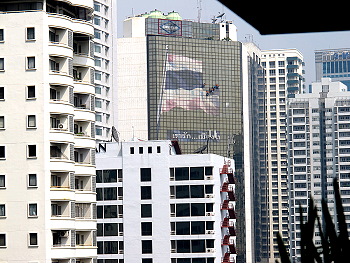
{"x": 283, "y": 79}
{"x": 157, "y": 205}
{"x": 47, "y": 132}
{"x": 104, "y": 52}
{"x": 319, "y": 138}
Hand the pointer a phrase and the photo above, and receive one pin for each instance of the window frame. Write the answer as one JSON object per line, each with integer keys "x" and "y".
{"x": 2, "y": 33}
{"x": 29, "y": 150}
{"x": 3, "y": 157}
{"x": 2, "y": 91}
{"x": 27, "y": 34}
{"x": 35, "y": 235}
{"x": 27, "y": 92}
{"x": 36, "y": 210}
{"x": 4, "y": 236}
{"x": 29, "y": 62}
{"x": 4, "y": 215}
{"x": 29, "y": 180}
{"x": 28, "y": 121}
{"x": 3, "y": 123}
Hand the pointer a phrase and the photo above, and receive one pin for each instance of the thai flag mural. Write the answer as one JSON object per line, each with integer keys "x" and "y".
{"x": 184, "y": 87}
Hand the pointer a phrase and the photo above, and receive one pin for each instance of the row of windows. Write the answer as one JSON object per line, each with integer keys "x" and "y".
{"x": 29, "y": 33}
{"x": 31, "y": 180}
{"x": 31, "y": 152}
{"x": 32, "y": 240}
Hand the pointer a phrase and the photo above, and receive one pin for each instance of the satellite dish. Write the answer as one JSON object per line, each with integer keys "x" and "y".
{"x": 115, "y": 134}
{"x": 201, "y": 149}
{"x": 221, "y": 15}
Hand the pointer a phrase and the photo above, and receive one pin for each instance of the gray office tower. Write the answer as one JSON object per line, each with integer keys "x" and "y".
{"x": 195, "y": 83}
{"x": 334, "y": 64}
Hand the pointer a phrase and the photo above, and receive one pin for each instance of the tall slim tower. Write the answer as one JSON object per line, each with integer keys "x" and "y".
{"x": 319, "y": 131}
{"x": 104, "y": 53}
{"x": 47, "y": 132}
{"x": 284, "y": 79}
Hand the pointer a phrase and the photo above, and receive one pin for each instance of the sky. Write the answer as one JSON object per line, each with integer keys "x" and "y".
{"x": 306, "y": 43}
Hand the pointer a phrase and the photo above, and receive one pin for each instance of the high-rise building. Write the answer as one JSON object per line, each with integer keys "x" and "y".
{"x": 185, "y": 80}
{"x": 333, "y": 63}
{"x": 284, "y": 79}
{"x": 319, "y": 131}
{"x": 156, "y": 205}
{"x": 47, "y": 126}
{"x": 105, "y": 75}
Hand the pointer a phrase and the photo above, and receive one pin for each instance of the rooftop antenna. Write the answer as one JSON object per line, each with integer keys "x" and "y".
{"x": 199, "y": 8}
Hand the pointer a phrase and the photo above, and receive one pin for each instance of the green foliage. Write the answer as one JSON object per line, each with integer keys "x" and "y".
{"x": 335, "y": 247}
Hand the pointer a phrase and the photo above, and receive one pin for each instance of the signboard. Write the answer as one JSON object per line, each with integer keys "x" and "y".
{"x": 193, "y": 136}
{"x": 170, "y": 27}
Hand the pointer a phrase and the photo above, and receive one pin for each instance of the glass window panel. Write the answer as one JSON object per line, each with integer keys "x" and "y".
{"x": 197, "y": 191}
{"x": 197, "y": 173}
{"x": 197, "y": 227}
{"x": 182, "y": 228}
{"x": 182, "y": 191}
{"x": 197, "y": 209}
{"x": 182, "y": 210}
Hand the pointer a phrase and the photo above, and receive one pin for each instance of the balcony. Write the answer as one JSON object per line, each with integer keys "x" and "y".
{"x": 83, "y": 211}
{"x": 60, "y": 180}
{"x": 61, "y": 238}
{"x": 82, "y": 156}
{"x": 60, "y": 209}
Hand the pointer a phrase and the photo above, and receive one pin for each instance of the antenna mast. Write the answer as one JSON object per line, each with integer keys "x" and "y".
{"x": 199, "y": 8}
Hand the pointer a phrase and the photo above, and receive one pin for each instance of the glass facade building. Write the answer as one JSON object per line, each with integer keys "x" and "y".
{"x": 333, "y": 63}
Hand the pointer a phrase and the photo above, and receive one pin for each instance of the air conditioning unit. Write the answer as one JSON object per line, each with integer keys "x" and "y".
{"x": 210, "y": 232}
{"x": 209, "y": 213}
{"x": 209, "y": 178}
{"x": 63, "y": 233}
{"x": 210, "y": 250}
{"x": 209, "y": 196}
{"x": 60, "y": 126}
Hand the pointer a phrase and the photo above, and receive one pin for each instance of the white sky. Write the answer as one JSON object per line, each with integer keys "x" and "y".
{"x": 306, "y": 43}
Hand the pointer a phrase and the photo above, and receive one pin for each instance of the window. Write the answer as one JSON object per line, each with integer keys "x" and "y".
{"x": 2, "y": 152}
{"x": 2, "y": 210}
{"x": 2, "y": 240}
{"x": 31, "y": 151}
{"x": 30, "y": 92}
{"x": 2, "y": 122}
{"x": 2, "y": 181}
{"x": 2, "y": 64}
{"x": 30, "y": 62}
{"x": 30, "y": 33}
{"x": 145, "y": 174}
{"x": 32, "y": 210}
{"x": 31, "y": 123}
{"x": 146, "y": 228}
{"x": 32, "y": 180}
{"x": 146, "y": 246}
{"x": 2, "y": 93}
{"x": 2, "y": 35}
{"x": 146, "y": 210}
{"x": 33, "y": 239}
{"x": 146, "y": 192}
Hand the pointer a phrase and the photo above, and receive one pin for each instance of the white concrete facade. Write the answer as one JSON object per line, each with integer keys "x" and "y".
{"x": 105, "y": 17}
{"x": 319, "y": 148}
{"x": 283, "y": 70}
{"x": 129, "y": 162}
{"x": 47, "y": 145}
